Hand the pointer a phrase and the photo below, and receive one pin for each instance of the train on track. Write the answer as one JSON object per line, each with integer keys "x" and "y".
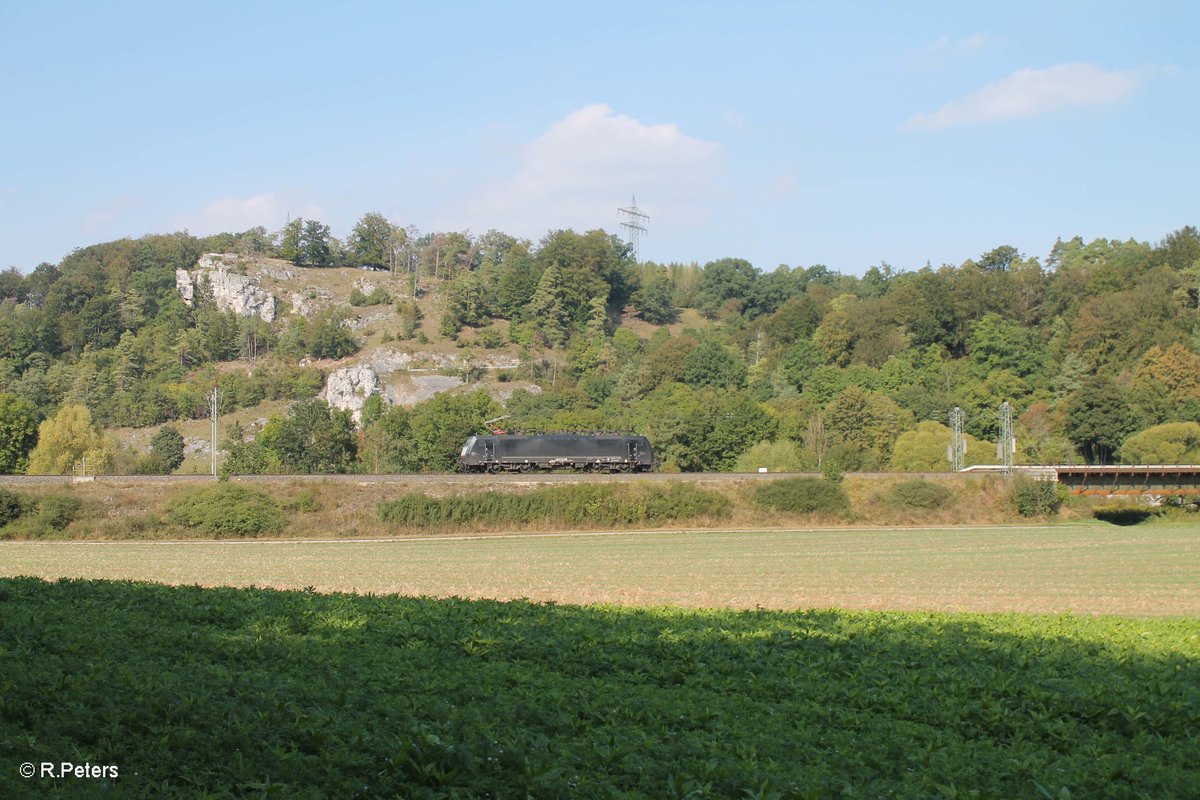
{"x": 588, "y": 452}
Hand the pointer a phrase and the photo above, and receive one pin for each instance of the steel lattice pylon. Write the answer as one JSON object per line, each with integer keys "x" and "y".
{"x": 634, "y": 227}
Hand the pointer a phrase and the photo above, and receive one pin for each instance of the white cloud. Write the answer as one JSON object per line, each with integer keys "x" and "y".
{"x": 945, "y": 44}
{"x": 590, "y": 162}
{"x": 231, "y": 214}
{"x": 1030, "y": 92}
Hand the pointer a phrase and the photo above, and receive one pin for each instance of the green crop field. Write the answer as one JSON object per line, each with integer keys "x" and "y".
{"x": 601, "y": 683}
{"x": 1087, "y": 569}
{"x": 188, "y": 692}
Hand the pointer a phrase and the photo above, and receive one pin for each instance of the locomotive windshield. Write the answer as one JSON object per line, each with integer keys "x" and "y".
{"x": 467, "y": 447}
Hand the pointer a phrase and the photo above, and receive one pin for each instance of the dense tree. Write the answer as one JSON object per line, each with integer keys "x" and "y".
{"x": 314, "y": 438}
{"x": 167, "y": 447}
{"x": 548, "y": 308}
{"x": 316, "y": 245}
{"x": 722, "y": 280}
{"x": 1000, "y": 259}
{"x": 1170, "y": 443}
{"x": 653, "y": 299}
{"x": 445, "y": 255}
{"x": 1112, "y": 330}
{"x": 291, "y": 241}
{"x": 439, "y": 427}
{"x": 712, "y": 364}
{"x": 386, "y": 441}
{"x": 106, "y": 328}
{"x": 465, "y": 304}
{"x": 996, "y": 343}
{"x": 1098, "y": 419}
{"x": 926, "y": 448}
{"x": 373, "y": 241}
{"x": 69, "y": 441}
{"x": 18, "y": 433}
{"x": 515, "y": 279}
{"x": 725, "y": 425}
{"x": 867, "y": 422}
{"x": 795, "y": 320}
{"x": 1166, "y": 386}
{"x": 593, "y": 264}
{"x": 1179, "y": 250}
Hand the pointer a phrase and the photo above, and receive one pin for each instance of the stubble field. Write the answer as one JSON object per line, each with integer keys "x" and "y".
{"x": 1094, "y": 569}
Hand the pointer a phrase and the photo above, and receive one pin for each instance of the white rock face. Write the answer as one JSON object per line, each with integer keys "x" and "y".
{"x": 183, "y": 282}
{"x": 309, "y": 300}
{"x": 348, "y": 389}
{"x": 240, "y": 294}
{"x": 419, "y": 388}
{"x": 386, "y": 360}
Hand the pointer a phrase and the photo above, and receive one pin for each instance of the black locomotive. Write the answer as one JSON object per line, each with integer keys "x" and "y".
{"x": 598, "y": 452}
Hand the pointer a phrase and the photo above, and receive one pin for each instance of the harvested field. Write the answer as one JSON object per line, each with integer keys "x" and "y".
{"x": 1085, "y": 569}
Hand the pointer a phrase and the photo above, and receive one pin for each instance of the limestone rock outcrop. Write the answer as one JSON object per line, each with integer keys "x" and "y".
{"x": 348, "y": 389}
{"x": 231, "y": 291}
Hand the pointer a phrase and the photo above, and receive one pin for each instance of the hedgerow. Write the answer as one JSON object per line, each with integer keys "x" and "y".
{"x": 12, "y": 506}
{"x": 920, "y": 494}
{"x": 226, "y": 509}
{"x": 626, "y": 504}
{"x": 803, "y": 496}
{"x": 1033, "y": 498}
{"x": 36, "y": 517}
{"x": 57, "y": 511}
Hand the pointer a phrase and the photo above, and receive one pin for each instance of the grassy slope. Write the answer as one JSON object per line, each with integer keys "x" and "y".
{"x": 131, "y": 509}
{"x": 248, "y": 693}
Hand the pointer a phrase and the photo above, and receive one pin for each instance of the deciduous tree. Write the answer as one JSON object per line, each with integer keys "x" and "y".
{"x": 67, "y": 439}
{"x": 18, "y": 433}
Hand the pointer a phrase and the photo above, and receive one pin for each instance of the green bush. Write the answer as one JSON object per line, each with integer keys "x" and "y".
{"x": 12, "y": 506}
{"x": 803, "y": 496}
{"x": 378, "y": 296}
{"x": 832, "y": 472}
{"x": 306, "y": 502}
{"x": 57, "y": 511}
{"x": 227, "y": 509}
{"x": 578, "y": 505}
{"x": 920, "y": 494}
{"x": 149, "y": 465}
{"x": 1033, "y": 498}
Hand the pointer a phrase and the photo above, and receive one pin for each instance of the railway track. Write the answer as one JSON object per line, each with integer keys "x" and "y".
{"x": 450, "y": 478}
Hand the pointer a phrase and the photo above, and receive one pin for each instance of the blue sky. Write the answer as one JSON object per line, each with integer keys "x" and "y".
{"x": 841, "y": 133}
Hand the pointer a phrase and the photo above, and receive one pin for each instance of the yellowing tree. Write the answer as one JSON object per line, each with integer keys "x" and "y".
{"x": 1170, "y": 443}
{"x": 67, "y": 438}
{"x": 924, "y": 449}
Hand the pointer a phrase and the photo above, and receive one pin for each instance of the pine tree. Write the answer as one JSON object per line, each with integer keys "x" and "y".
{"x": 548, "y": 309}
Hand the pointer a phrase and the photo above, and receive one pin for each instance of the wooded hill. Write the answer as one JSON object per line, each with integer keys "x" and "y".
{"x": 723, "y": 366}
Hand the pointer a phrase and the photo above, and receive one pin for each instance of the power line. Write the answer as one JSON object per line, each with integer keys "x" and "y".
{"x": 957, "y": 451}
{"x": 214, "y": 410}
{"x": 1006, "y": 444}
{"x": 634, "y": 227}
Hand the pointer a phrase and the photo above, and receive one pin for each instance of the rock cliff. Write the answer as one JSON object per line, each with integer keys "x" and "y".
{"x": 241, "y": 294}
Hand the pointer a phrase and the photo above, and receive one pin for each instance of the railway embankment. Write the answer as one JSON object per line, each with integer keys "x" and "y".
{"x": 339, "y": 506}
